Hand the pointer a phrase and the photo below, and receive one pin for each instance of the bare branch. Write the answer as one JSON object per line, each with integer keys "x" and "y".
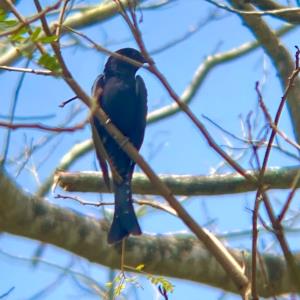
{"x": 292, "y": 16}
{"x": 43, "y": 127}
{"x": 188, "y": 185}
{"x": 28, "y": 70}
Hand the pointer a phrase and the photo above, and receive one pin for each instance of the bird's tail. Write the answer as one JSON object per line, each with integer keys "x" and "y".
{"x": 124, "y": 221}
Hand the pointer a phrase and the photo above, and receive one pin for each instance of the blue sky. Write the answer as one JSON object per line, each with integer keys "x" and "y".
{"x": 172, "y": 146}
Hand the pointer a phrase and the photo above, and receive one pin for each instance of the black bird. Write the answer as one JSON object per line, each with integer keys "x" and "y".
{"x": 123, "y": 97}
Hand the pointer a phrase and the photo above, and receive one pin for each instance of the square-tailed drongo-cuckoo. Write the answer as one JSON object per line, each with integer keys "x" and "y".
{"x": 123, "y": 97}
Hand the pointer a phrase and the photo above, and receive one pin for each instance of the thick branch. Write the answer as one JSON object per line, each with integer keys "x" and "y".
{"x": 188, "y": 185}
{"x": 288, "y": 16}
{"x": 169, "y": 255}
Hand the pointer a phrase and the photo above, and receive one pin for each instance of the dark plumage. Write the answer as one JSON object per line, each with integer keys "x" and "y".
{"x": 123, "y": 97}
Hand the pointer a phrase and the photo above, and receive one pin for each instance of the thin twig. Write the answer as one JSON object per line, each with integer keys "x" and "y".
{"x": 270, "y": 121}
{"x": 43, "y": 127}
{"x": 61, "y": 18}
{"x": 14, "y": 102}
{"x": 146, "y": 202}
{"x": 64, "y": 103}
{"x": 29, "y": 70}
{"x": 289, "y": 198}
{"x": 83, "y": 202}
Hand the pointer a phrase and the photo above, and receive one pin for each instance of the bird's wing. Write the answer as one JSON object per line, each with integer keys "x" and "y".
{"x": 101, "y": 154}
{"x": 141, "y": 92}
{"x": 97, "y": 87}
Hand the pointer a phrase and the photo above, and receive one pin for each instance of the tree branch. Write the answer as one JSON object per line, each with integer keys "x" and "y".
{"x": 188, "y": 185}
{"x": 283, "y": 13}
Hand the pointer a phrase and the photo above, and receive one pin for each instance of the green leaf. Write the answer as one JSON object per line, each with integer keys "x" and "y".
{"x": 3, "y": 14}
{"x": 26, "y": 53}
{"x": 167, "y": 285}
{"x": 35, "y": 34}
{"x": 131, "y": 279}
{"x": 109, "y": 284}
{"x": 19, "y": 35}
{"x": 119, "y": 289}
{"x": 142, "y": 211}
{"x": 17, "y": 38}
{"x": 140, "y": 267}
{"x": 49, "y": 62}
{"x": 47, "y": 39}
{"x": 6, "y": 24}
{"x": 23, "y": 30}
{"x": 10, "y": 23}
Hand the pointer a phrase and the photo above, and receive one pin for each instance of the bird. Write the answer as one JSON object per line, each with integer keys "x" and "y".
{"x": 123, "y": 97}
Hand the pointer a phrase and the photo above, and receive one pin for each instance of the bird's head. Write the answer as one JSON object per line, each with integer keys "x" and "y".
{"x": 116, "y": 65}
